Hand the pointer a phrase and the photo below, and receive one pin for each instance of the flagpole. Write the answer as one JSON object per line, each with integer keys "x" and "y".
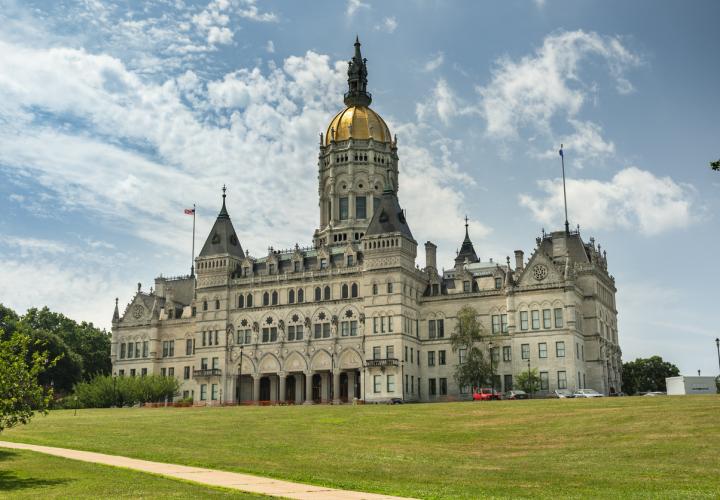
{"x": 192, "y": 257}
{"x": 562, "y": 159}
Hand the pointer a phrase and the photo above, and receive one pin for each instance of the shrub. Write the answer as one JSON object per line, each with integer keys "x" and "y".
{"x": 105, "y": 391}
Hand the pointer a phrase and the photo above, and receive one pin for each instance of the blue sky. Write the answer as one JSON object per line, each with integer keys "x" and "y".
{"x": 116, "y": 116}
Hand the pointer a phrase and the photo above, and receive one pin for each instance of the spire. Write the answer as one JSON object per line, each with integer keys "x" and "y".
{"x": 223, "y": 211}
{"x": 467, "y": 251}
{"x": 116, "y": 314}
{"x": 357, "y": 94}
{"x": 222, "y": 239}
{"x": 389, "y": 217}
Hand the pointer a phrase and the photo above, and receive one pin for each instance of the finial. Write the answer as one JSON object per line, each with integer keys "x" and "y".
{"x": 116, "y": 301}
{"x": 139, "y": 287}
{"x": 466, "y": 221}
{"x": 224, "y": 189}
{"x": 357, "y": 39}
{"x": 507, "y": 259}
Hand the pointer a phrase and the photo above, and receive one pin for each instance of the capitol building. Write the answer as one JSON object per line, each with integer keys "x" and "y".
{"x": 353, "y": 316}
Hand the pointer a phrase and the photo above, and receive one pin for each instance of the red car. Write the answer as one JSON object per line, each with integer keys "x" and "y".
{"x": 485, "y": 394}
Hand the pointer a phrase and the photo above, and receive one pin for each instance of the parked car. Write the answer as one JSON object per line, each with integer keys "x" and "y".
{"x": 485, "y": 394}
{"x": 516, "y": 394}
{"x": 563, "y": 394}
{"x": 587, "y": 393}
{"x": 655, "y": 393}
{"x": 396, "y": 401}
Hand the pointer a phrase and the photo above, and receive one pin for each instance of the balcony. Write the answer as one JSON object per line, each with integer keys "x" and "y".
{"x": 207, "y": 372}
{"x": 382, "y": 362}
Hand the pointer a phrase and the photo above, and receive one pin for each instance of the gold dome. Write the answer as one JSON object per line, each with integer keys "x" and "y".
{"x": 357, "y": 122}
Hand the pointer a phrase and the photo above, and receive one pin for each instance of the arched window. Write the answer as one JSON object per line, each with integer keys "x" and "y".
{"x": 217, "y": 304}
{"x": 354, "y": 290}
{"x": 249, "y": 300}
{"x": 327, "y": 293}
{"x": 241, "y": 301}
{"x": 318, "y": 294}
{"x": 266, "y": 299}
{"x": 344, "y": 291}
{"x": 389, "y": 288}
{"x": 274, "y": 298}
{"x": 291, "y": 296}
{"x": 375, "y": 289}
{"x": 301, "y": 296}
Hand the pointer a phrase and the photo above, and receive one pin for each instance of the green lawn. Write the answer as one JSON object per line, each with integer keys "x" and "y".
{"x": 610, "y": 447}
{"x": 26, "y": 474}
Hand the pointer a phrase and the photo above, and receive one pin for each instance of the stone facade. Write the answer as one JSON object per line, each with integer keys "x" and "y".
{"x": 353, "y": 316}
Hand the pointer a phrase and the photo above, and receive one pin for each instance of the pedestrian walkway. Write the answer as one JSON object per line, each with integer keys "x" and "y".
{"x": 231, "y": 480}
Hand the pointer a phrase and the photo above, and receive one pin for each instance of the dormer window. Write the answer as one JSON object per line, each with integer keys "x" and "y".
{"x": 498, "y": 283}
{"x": 271, "y": 268}
{"x": 296, "y": 266}
{"x": 350, "y": 260}
{"x": 246, "y": 271}
{"x": 323, "y": 264}
{"x": 466, "y": 286}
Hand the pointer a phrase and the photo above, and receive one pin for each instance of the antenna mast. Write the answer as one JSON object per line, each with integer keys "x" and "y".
{"x": 562, "y": 159}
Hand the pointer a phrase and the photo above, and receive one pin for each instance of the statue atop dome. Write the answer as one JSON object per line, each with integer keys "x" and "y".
{"x": 357, "y": 94}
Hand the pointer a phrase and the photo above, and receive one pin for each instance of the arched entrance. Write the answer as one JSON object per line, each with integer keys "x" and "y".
{"x": 316, "y": 385}
{"x": 265, "y": 389}
{"x": 344, "y": 387}
{"x": 290, "y": 389}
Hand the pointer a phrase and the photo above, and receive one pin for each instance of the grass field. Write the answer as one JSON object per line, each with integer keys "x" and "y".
{"x": 25, "y": 474}
{"x": 610, "y": 447}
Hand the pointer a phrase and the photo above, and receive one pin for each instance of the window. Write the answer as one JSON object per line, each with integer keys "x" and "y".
{"x": 344, "y": 291}
{"x": 360, "y": 207}
{"x": 249, "y": 300}
{"x": 391, "y": 383}
{"x": 441, "y": 357}
{"x": 326, "y": 294}
{"x": 498, "y": 283}
{"x": 544, "y": 381}
{"x": 266, "y": 299}
{"x": 241, "y": 301}
{"x": 496, "y": 323}
{"x": 411, "y": 354}
{"x": 503, "y": 323}
{"x": 204, "y": 341}
{"x": 143, "y": 372}
{"x": 377, "y": 383}
{"x": 137, "y": 349}
{"x": 350, "y": 260}
{"x": 301, "y": 296}
{"x": 508, "y": 382}
{"x": 291, "y": 296}
{"x": 215, "y": 363}
{"x": 375, "y": 325}
{"x": 577, "y": 351}
{"x": 523, "y": 320}
{"x": 204, "y": 305}
{"x": 432, "y": 387}
{"x": 203, "y": 392}
{"x": 274, "y": 298}
{"x": 296, "y": 266}
{"x": 203, "y": 364}
{"x": 443, "y": 386}
{"x": 562, "y": 380}
{"x": 390, "y": 327}
{"x": 376, "y": 352}
{"x": 560, "y": 349}
{"x": 353, "y": 329}
{"x": 542, "y": 350}
{"x": 188, "y": 347}
{"x": 217, "y": 304}
{"x": 466, "y": 286}
{"x": 390, "y": 352}
{"x": 121, "y": 373}
{"x": 344, "y": 215}
{"x": 495, "y": 355}
{"x": 525, "y": 351}
{"x": 271, "y": 268}
{"x": 431, "y": 358}
{"x": 186, "y": 373}
{"x": 547, "y": 322}
{"x": 132, "y": 372}
{"x": 507, "y": 353}
{"x": 461, "y": 355}
{"x": 558, "y": 318}
{"x": 354, "y": 290}
{"x": 269, "y": 334}
{"x": 130, "y": 348}
{"x": 345, "y": 329}
{"x": 436, "y": 328}
{"x": 389, "y": 288}
{"x": 299, "y": 332}
{"x": 122, "y": 350}
{"x": 214, "y": 393}
{"x": 375, "y": 289}
{"x": 171, "y": 372}
{"x": 318, "y": 294}
{"x": 323, "y": 263}
{"x": 168, "y": 348}
{"x": 432, "y": 333}
{"x": 535, "y": 319}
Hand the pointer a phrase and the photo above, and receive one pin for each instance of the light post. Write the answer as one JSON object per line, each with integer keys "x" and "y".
{"x": 240, "y": 377}
{"x": 530, "y": 385}
{"x": 114, "y": 391}
{"x": 492, "y": 369}
{"x": 717, "y": 344}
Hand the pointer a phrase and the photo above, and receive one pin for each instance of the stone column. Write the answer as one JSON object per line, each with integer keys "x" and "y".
{"x": 282, "y": 377}
{"x": 336, "y": 387}
{"x": 308, "y": 388}
{"x": 362, "y": 384}
{"x": 298, "y": 388}
{"x": 351, "y": 385}
{"x": 256, "y": 388}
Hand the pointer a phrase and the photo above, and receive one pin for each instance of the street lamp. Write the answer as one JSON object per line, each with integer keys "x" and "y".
{"x": 240, "y": 377}
{"x": 492, "y": 370}
{"x": 717, "y": 344}
{"x": 530, "y": 385}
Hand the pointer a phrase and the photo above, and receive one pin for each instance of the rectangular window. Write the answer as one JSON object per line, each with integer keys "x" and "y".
{"x": 360, "y": 207}
{"x": 407, "y": 352}
{"x": 203, "y": 392}
{"x": 466, "y": 286}
{"x": 558, "y": 318}
{"x": 344, "y": 214}
{"x": 122, "y": 351}
{"x": 544, "y": 381}
{"x": 215, "y": 363}
{"x": 498, "y": 283}
{"x": 508, "y": 382}
{"x": 353, "y": 328}
{"x": 461, "y": 355}
{"x": 443, "y": 386}
{"x": 203, "y": 364}
{"x": 441, "y": 357}
{"x": 495, "y": 323}
{"x": 562, "y": 380}
{"x": 507, "y": 353}
{"x": 376, "y": 352}
{"x": 377, "y": 383}
{"x": 186, "y": 373}
{"x": 296, "y": 266}
{"x": 163, "y": 372}
{"x": 391, "y": 383}
{"x": 523, "y": 320}
{"x": 323, "y": 263}
{"x": 432, "y": 333}
{"x": 137, "y": 349}
{"x": 582, "y": 355}
{"x": 525, "y": 351}
{"x": 390, "y": 352}
{"x": 326, "y": 330}
{"x": 535, "y": 319}
{"x": 350, "y": 260}
{"x": 503, "y": 323}
{"x": 547, "y": 318}
{"x": 273, "y": 334}
{"x": 299, "y": 332}
{"x": 132, "y": 372}
{"x": 188, "y": 346}
{"x": 375, "y": 325}
{"x": 431, "y": 358}
{"x": 130, "y": 348}
{"x": 345, "y": 328}
{"x": 204, "y": 342}
{"x": 121, "y": 373}
{"x": 291, "y": 332}
{"x": 318, "y": 331}
{"x": 171, "y": 372}
{"x": 560, "y": 349}
{"x": 577, "y": 351}
{"x": 411, "y": 355}
{"x": 266, "y": 334}
{"x": 214, "y": 393}
{"x": 390, "y": 327}
{"x": 441, "y": 328}
{"x": 145, "y": 349}
{"x": 495, "y": 355}
{"x": 143, "y": 372}
{"x": 542, "y": 350}
{"x": 432, "y": 387}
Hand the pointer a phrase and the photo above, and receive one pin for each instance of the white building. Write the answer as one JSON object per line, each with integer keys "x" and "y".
{"x": 682, "y": 385}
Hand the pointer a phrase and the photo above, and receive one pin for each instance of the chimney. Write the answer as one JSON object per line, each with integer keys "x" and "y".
{"x": 519, "y": 256}
{"x": 430, "y": 255}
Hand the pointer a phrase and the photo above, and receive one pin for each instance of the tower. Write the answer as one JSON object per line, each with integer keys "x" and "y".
{"x": 357, "y": 156}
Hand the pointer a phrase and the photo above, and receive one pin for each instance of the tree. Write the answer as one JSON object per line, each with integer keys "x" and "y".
{"x": 715, "y": 165}
{"x": 529, "y": 381}
{"x": 645, "y": 375}
{"x": 474, "y": 371}
{"x": 21, "y": 394}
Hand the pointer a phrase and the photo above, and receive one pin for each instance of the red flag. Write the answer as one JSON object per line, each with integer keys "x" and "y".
{"x": 189, "y": 211}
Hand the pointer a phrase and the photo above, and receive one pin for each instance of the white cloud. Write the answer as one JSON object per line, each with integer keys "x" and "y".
{"x": 248, "y": 9}
{"x": 585, "y": 143}
{"x": 435, "y": 62}
{"x": 270, "y": 47}
{"x": 355, "y": 5}
{"x": 532, "y": 92}
{"x": 443, "y": 103}
{"x": 219, "y": 35}
{"x": 389, "y": 25}
{"x": 632, "y": 199}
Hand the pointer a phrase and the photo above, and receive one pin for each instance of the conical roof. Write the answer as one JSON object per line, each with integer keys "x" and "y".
{"x": 222, "y": 239}
{"x": 389, "y": 217}
{"x": 467, "y": 251}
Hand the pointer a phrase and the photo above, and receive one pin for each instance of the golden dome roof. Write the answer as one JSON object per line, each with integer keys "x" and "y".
{"x": 357, "y": 122}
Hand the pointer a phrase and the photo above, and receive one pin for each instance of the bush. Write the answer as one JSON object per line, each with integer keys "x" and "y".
{"x": 105, "y": 391}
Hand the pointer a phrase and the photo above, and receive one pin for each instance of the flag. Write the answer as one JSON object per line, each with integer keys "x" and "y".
{"x": 189, "y": 211}
{"x": 561, "y": 152}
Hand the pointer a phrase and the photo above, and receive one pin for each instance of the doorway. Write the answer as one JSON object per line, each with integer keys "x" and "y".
{"x": 265, "y": 389}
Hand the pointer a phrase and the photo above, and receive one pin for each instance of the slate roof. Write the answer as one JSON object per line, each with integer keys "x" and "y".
{"x": 467, "y": 251}
{"x": 389, "y": 217}
{"x": 222, "y": 239}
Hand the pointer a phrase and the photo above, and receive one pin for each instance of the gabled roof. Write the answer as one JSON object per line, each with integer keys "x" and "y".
{"x": 222, "y": 239}
{"x": 389, "y": 217}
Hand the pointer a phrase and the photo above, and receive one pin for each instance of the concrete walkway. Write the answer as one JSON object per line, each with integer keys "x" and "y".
{"x": 231, "y": 480}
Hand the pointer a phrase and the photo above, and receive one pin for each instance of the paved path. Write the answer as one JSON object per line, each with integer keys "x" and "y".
{"x": 231, "y": 480}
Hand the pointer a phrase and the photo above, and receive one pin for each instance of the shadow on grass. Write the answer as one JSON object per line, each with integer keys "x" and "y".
{"x": 10, "y": 481}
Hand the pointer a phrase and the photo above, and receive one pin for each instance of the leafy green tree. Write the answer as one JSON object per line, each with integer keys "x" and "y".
{"x": 647, "y": 374}
{"x": 21, "y": 394}
{"x": 528, "y": 381}
{"x": 474, "y": 371}
{"x": 715, "y": 165}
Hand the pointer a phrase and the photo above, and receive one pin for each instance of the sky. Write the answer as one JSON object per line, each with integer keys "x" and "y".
{"x": 116, "y": 116}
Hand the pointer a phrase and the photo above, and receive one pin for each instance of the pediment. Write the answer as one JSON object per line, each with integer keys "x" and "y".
{"x": 539, "y": 270}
